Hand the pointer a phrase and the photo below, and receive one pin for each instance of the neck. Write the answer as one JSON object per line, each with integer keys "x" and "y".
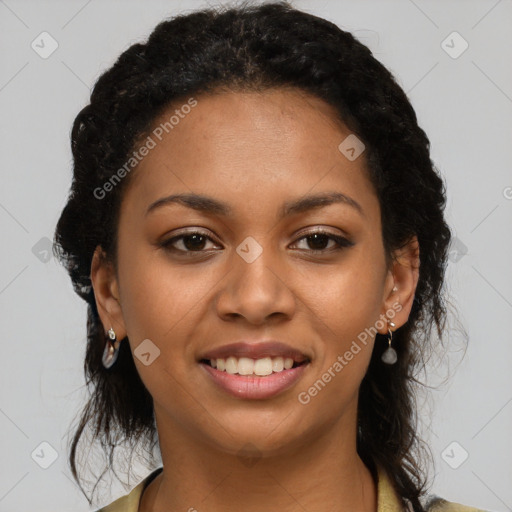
{"x": 323, "y": 474}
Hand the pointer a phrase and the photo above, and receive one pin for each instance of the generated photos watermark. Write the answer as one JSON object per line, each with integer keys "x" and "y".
{"x": 150, "y": 143}
{"x": 342, "y": 360}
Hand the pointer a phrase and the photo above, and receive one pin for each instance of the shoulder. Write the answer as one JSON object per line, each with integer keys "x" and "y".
{"x": 389, "y": 500}
{"x": 437, "y": 504}
{"x": 130, "y": 502}
{"x": 127, "y": 503}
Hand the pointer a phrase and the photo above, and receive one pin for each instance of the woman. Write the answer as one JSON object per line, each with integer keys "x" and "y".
{"x": 257, "y": 228}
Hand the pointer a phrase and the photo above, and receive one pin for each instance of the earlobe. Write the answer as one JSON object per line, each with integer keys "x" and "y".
{"x": 106, "y": 293}
{"x": 402, "y": 282}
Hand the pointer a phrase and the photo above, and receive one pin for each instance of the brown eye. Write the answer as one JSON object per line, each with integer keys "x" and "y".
{"x": 318, "y": 242}
{"x": 187, "y": 242}
{"x": 194, "y": 242}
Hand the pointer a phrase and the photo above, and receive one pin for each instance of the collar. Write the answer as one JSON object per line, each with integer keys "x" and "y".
{"x": 387, "y": 498}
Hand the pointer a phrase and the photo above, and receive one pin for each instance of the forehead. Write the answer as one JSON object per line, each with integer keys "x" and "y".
{"x": 245, "y": 145}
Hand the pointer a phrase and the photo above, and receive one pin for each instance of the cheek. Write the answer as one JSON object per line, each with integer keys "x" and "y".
{"x": 348, "y": 306}
{"x": 158, "y": 299}
{"x": 160, "y": 305}
{"x": 348, "y": 341}
{"x": 350, "y": 295}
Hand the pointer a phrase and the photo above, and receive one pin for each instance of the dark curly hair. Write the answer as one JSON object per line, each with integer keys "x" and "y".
{"x": 256, "y": 47}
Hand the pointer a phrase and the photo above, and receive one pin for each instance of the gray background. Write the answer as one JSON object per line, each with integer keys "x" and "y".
{"x": 463, "y": 103}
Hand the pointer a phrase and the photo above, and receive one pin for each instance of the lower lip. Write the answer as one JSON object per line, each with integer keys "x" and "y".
{"x": 254, "y": 387}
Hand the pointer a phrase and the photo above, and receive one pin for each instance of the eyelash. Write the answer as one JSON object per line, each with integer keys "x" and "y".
{"x": 341, "y": 242}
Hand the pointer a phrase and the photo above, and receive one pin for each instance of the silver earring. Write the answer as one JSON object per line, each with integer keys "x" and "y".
{"x": 389, "y": 356}
{"x": 111, "y": 349}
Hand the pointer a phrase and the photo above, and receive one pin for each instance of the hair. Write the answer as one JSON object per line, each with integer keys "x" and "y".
{"x": 254, "y": 48}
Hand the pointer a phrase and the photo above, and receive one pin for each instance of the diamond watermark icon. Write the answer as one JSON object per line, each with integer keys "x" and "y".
{"x": 146, "y": 352}
{"x": 351, "y": 147}
{"x": 44, "y": 45}
{"x": 457, "y": 250}
{"x": 454, "y": 45}
{"x": 42, "y": 249}
{"x": 454, "y": 455}
{"x": 249, "y": 455}
{"x": 249, "y": 249}
{"x": 44, "y": 455}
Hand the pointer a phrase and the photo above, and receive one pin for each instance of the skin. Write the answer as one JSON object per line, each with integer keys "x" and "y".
{"x": 254, "y": 151}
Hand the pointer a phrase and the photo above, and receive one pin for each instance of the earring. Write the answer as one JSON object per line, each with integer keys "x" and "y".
{"x": 389, "y": 356}
{"x": 111, "y": 349}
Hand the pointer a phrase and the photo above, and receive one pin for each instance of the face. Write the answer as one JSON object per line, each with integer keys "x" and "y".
{"x": 258, "y": 258}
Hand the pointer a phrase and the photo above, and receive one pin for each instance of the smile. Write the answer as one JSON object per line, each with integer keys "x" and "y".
{"x": 247, "y": 366}
{"x": 251, "y": 386}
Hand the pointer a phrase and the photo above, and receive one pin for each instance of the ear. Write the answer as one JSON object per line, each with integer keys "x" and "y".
{"x": 106, "y": 293}
{"x": 400, "y": 286}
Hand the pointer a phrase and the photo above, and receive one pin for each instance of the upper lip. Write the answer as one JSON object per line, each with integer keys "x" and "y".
{"x": 256, "y": 350}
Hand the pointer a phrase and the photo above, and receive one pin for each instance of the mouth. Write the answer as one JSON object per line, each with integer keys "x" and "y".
{"x": 246, "y": 366}
{"x": 255, "y": 370}
{"x": 259, "y": 359}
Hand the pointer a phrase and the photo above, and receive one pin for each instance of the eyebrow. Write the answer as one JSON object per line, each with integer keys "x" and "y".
{"x": 210, "y": 205}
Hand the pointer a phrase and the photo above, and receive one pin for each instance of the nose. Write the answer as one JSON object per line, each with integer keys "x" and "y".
{"x": 256, "y": 291}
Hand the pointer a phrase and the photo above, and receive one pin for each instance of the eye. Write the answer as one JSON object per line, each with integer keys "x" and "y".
{"x": 318, "y": 239}
{"x": 192, "y": 241}
{"x": 196, "y": 242}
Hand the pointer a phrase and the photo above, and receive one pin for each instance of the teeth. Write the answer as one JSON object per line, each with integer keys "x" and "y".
{"x": 248, "y": 366}
{"x": 263, "y": 366}
{"x": 278, "y": 364}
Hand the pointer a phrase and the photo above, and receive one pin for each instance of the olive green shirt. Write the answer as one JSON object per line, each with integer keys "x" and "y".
{"x": 387, "y": 499}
